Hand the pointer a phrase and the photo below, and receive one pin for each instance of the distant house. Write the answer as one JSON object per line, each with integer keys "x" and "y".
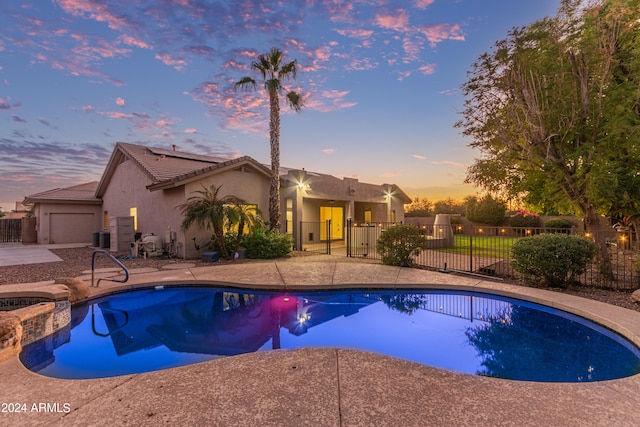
{"x": 67, "y": 215}
{"x": 20, "y": 211}
{"x": 149, "y": 184}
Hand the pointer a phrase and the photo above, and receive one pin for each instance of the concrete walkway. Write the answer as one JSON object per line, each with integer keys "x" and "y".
{"x": 326, "y": 387}
{"x": 18, "y": 254}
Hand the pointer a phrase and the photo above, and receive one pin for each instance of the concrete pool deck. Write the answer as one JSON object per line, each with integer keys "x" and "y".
{"x": 325, "y": 387}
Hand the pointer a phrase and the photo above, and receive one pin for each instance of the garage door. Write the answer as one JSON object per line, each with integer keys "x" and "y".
{"x": 71, "y": 227}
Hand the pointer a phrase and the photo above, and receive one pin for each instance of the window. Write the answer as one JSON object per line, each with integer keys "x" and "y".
{"x": 367, "y": 215}
{"x": 134, "y": 213}
{"x": 249, "y": 210}
{"x": 105, "y": 222}
{"x": 289, "y": 225}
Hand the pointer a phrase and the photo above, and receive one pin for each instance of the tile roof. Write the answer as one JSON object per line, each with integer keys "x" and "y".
{"x": 162, "y": 165}
{"x": 190, "y": 175}
{"x": 77, "y": 193}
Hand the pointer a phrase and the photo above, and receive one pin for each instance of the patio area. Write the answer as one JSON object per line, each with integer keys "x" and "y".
{"x": 325, "y": 386}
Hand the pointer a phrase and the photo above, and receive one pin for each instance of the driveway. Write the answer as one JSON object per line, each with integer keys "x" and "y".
{"x": 18, "y": 254}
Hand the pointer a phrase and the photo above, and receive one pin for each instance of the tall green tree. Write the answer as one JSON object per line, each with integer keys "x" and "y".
{"x": 555, "y": 111}
{"x": 419, "y": 207}
{"x": 274, "y": 72}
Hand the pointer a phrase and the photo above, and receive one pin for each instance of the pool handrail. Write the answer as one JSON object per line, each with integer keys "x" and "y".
{"x": 117, "y": 329}
{"x": 93, "y": 265}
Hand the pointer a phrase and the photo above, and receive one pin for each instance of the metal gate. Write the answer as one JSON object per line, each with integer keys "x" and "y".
{"x": 311, "y": 237}
{"x": 10, "y": 230}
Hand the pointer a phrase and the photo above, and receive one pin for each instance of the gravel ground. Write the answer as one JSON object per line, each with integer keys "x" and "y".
{"x": 77, "y": 260}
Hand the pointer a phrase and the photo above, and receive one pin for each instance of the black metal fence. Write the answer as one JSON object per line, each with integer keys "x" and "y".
{"x": 315, "y": 237}
{"x": 362, "y": 238}
{"x": 10, "y": 230}
{"x": 487, "y": 251}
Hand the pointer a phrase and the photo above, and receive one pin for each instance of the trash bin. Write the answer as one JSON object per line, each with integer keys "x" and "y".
{"x": 95, "y": 239}
{"x": 210, "y": 256}
{"x": 105, "y": 240}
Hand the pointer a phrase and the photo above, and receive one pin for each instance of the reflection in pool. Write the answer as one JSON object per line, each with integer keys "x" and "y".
{"x": 151, "y": 329}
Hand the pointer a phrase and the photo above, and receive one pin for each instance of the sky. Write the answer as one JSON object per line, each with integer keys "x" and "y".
{"x": 380, "y": 81}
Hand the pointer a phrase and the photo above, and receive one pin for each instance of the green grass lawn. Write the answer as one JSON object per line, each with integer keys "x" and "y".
{"x": 482, "y": 246}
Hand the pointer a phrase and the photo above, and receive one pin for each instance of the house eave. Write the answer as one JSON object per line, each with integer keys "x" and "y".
{"x": 63, "y": 201}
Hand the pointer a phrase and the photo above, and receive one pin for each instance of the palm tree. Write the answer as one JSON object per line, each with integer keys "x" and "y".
{"x": 209, "y": 212}
{"x": 274, "y": 73}
{"x": 213, "y": 213}
{"x": 241, "y": 214}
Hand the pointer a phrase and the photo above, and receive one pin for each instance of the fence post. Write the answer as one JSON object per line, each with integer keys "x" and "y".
{"x": 328, "y": 237}
{"x": 349, "y": 237}
{"x": 299, "y": 237}
{"x": 471, "y": 249}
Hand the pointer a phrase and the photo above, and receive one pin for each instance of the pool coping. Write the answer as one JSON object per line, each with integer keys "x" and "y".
{"x": 384, "y": 398}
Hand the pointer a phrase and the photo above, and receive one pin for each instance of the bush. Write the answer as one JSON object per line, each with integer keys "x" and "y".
{"x": 398, "y": 244}
{"x": 556, "y": 259}
{"x": 485, "y": 211}
{"x": 558, "y": 223}
{"x": 229, "y": 243}
{"x": 524, "y": 219}
{"x": 267, "y": 244}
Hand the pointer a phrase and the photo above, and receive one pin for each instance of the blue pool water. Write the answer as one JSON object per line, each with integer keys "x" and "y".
{"x": 152, "y": 329}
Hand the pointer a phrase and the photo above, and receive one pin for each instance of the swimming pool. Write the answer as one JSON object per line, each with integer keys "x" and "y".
{"x": 163, "y": 327}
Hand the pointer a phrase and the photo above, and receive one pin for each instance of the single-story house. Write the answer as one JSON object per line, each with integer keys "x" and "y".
{"x": 67, "y": 215}
{"x": 148, "y": 184}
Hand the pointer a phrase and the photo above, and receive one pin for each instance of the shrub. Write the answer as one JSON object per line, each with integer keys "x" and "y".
{"x": 229, "y": 243}
{"x": 267, "y": 244}
{"x": 485, "y": 211}
{"x": 398, "y": 244}
{"x": 558, "y": 223}
{"x": 524, "y": 219}
{"x": 556, "y": 259}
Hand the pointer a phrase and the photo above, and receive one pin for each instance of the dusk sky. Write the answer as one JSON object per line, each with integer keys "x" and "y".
{"x": 380, "y": 80}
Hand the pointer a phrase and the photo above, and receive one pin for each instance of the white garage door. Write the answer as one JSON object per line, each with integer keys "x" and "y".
{"x": 71, "y": 227}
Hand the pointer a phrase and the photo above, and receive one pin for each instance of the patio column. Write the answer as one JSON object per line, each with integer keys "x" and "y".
{"x": 351, "y": 209}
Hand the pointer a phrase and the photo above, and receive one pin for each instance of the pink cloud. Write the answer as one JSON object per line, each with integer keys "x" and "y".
{"x": 355, "y": 33}
{"x": 449, "y": 92}
{"x": 423, "y": 4}
{"x": 440, "y": 32}
{"x": 99, "y": 12}
{"x": 235, "y": 65}
{"x": 120, "y": 102}
{"x": 404, "y": 75}
{"x": 7, "y": 105}
{"x": 419, "y": 157}
{"x": 397, "y": 21}
{"x": 450, "y": 163}
{"x": 191, "y": 130}
{"x": 166, "y": 58}
{"x": 329, "y": 100}
{"x": 427, "y": 69}
{"x": 361, "y": 64}
{"x": 412, "y": 49}
{"x": 132, "y": 41}
{"x": 329, "y": 151}
{"x": 323, "y": 53}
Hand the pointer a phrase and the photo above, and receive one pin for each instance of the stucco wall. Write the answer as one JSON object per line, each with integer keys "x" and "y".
{"x": 157, "y": 211}
{"x": 247, "y": 184}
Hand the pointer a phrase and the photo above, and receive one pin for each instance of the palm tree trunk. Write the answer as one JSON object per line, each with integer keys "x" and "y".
{"x": 274, "y": 137}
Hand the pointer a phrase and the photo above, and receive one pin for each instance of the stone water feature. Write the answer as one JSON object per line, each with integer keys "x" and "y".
{"x": 442, "y": 236}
